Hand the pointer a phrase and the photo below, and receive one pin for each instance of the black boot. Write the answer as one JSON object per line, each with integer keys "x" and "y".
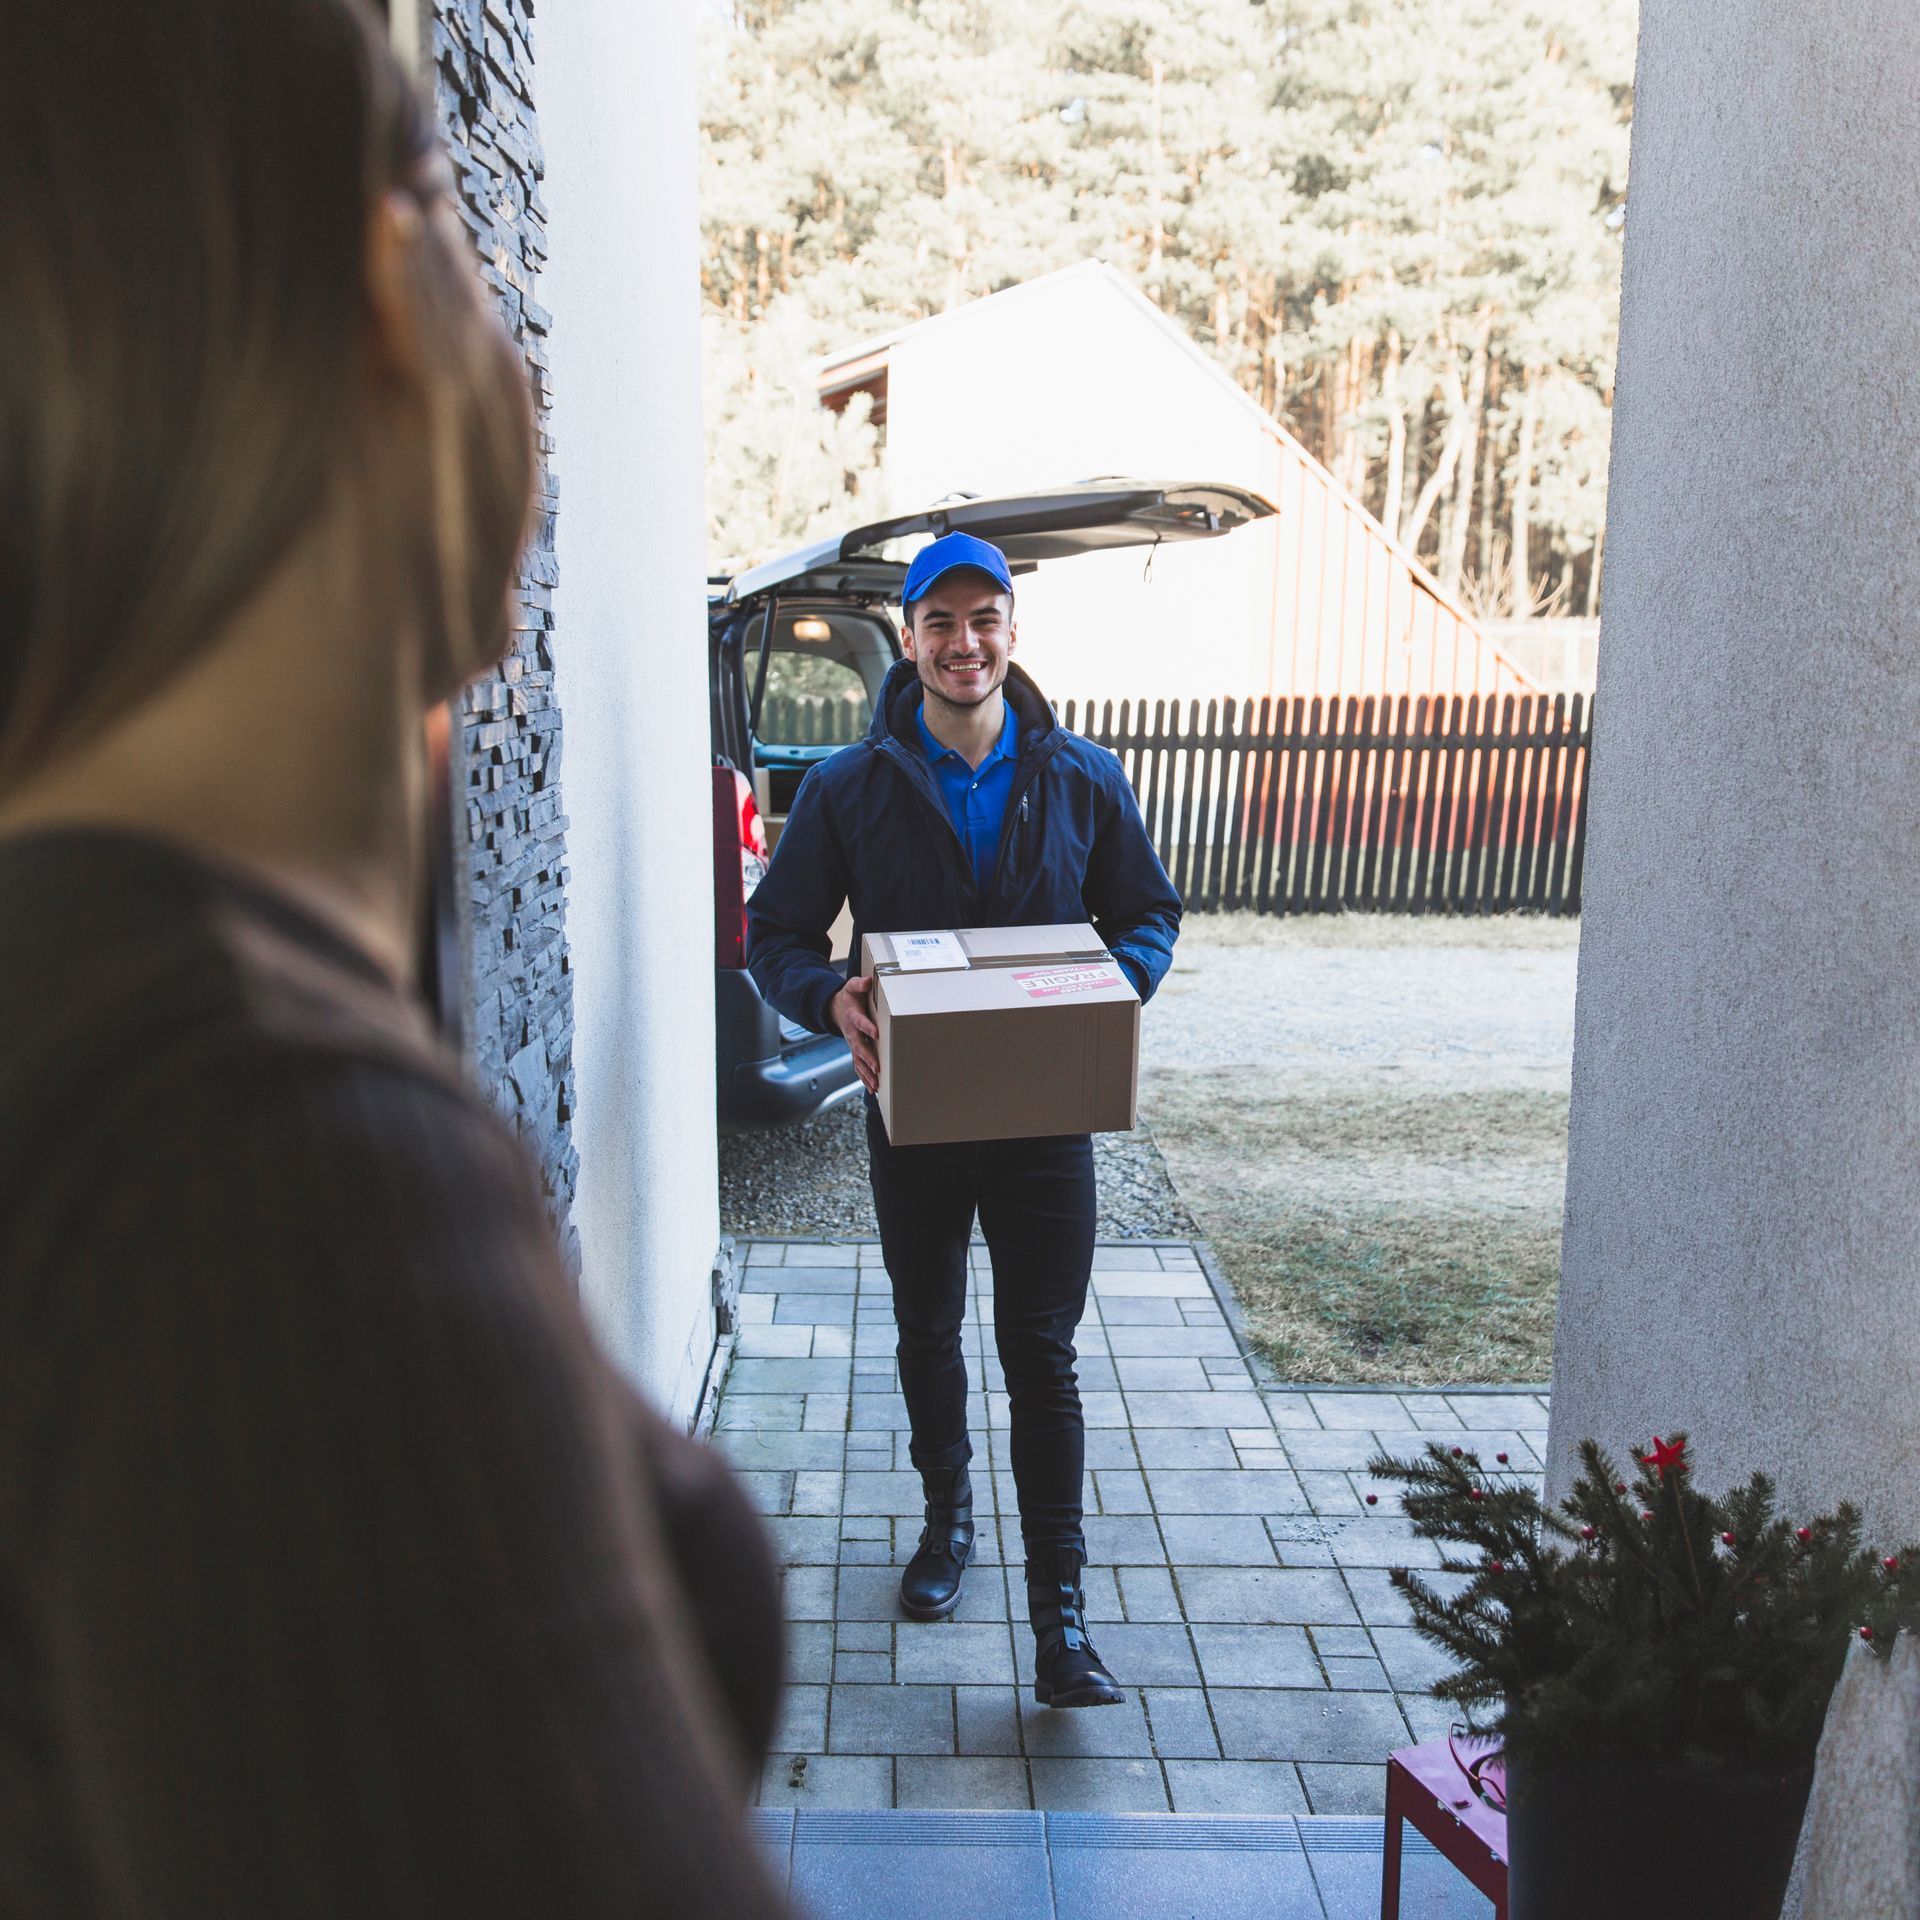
{"x": 930, "y": 1587}
{"x": 1066, "y": 1670}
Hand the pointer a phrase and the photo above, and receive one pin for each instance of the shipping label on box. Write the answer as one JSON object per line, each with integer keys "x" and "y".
{"x": 1002, "y": 1033}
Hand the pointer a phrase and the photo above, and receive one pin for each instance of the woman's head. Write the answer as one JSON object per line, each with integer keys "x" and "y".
{"x": 237, "y": 293}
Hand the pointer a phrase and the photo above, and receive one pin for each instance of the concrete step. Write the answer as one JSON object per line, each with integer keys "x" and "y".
{"x": 902, "y": 1864}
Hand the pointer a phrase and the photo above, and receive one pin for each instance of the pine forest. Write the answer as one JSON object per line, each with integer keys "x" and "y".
{"x": 1396, "y": 223}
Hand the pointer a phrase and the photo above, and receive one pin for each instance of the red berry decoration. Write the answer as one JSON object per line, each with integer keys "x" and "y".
{"x": 1457, "y": 1452}
{"x": 1866, "y": 1633}
{"x": 1803, "y": 1534}
{"x": 1373, "y": 1499}
{"x": 1501, "y": 1457}
{"x": 1473, "y": 1493}
{"x": 1586, "y": 1533}
{"x": 1619, "y": 1486}
{"x": 1726, "y": 1539}
{"x": 1496, "y": 1566}
{"x": 1891, "y": 1563}
{"x": 1647, "y": 1517}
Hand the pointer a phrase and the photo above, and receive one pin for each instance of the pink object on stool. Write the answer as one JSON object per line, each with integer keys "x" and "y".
{"x": 1443, "y": 1787}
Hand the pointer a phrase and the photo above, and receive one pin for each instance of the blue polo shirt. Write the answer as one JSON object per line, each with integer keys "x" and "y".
{"x": 976, "y": 797}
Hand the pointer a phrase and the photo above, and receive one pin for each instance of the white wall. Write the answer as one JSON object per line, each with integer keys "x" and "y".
{"x": 615, "y": 96}
{"x": 1742, "y": 1253}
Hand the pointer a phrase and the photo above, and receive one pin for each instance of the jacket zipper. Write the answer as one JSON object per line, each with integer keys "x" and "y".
{"x": 919, "y": 780}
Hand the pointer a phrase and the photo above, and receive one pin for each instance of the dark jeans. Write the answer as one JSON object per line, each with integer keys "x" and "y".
{"x": 1036, "y": 1206}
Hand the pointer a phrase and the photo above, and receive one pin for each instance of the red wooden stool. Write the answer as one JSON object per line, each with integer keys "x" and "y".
{"x": 1440, "y": 1788}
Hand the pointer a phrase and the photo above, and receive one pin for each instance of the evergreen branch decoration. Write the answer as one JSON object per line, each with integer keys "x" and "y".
{"x": 1646, "y": 1619}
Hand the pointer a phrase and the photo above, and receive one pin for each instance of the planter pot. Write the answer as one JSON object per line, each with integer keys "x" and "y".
{"x": 1591, "y": 1840}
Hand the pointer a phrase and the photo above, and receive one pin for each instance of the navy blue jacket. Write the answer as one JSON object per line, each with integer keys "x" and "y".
{"x": 868, "y": 827}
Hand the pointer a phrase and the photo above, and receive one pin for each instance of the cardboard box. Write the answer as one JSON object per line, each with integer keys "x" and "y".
{"x": 1002, "y": 1033}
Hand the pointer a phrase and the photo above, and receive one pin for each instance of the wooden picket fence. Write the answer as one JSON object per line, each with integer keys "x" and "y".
{"x": 1427, "y": 805}
{"x": 1400, "y": 805}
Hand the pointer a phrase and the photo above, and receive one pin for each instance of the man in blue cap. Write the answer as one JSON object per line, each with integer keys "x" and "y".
{"x": 968, "y": 805}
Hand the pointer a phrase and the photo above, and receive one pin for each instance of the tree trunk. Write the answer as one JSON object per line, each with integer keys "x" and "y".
{"x": 1489, "y": 483}
{"x": 1442, "y": 475}
{"x": 1522, "y": 607}
{"x": 1348, "y": 412}
{"x": 1453, "y": 552}
{"x": 1396, "y": 434}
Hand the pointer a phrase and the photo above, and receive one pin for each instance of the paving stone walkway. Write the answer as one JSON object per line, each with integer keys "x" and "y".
{"x": 1237, "y": 1582}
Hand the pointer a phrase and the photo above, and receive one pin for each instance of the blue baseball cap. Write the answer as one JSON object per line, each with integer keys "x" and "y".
{"x": 953, "y": 550}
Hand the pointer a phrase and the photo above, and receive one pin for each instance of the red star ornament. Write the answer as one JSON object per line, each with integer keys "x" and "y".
{"x": 1662, "y": 1456}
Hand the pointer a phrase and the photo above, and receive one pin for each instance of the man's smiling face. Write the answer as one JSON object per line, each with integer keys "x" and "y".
{"x": 960, "y": 637}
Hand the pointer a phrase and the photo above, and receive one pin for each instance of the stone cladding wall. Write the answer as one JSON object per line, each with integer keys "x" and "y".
{"x": 508, "y": 739}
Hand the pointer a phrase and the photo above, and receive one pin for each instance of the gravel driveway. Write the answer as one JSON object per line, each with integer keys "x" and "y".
{"x": 812, "y": 1179}
{"x": 1312, "y": 1008}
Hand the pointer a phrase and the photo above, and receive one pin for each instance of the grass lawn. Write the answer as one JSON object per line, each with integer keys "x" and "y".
{"x": 1386, "y": 1201}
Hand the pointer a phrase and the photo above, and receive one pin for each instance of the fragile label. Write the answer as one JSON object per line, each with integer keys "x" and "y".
{"x": 1050, "y": 983}
{"x": 927, "y": 952}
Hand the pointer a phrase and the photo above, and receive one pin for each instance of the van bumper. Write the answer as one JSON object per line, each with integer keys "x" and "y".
{"x": 767, "y": 1077}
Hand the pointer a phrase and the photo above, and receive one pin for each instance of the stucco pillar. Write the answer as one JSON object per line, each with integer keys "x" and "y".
{"x": 618, "y": 121}
{"x": 1742, "y": 1250}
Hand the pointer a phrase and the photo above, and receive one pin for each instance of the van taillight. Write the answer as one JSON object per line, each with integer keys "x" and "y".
{"x": 739, "y": 863}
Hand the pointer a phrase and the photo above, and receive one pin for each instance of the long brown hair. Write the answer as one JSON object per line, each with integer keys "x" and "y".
{"x": 182, "y": 232}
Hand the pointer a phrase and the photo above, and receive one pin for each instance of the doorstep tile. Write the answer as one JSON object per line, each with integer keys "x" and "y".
{"x": 809, "y": 1652}
{"x": 1235, "y": 1656}
{"x": 987, "y": 1720}
{"x": 1336, "y": 1788}
{"x": 1125, "y": 1342}
{"x": 1140, "y": 1656}
{"x": 1367, "y": 1410}
{"x": 1139, "y": 1311}
{"x": 1235, "y": 1786}
{"x": 1335, "y": 1449}
{"x": 827, "y": 1780}
{"x": 1412, "y": 1664}
{"x": 1098, "y": 1785}
{"x": 950, "y": 1654}
{"x": 1180, "y": 1490}
{"x": 1307, "y": 1724}
{"x": 1161, "y": 1372}
{"x": 896, "y": 1719}
{"x": 764, "y": 1412}
{"x": 774, "y": 1343}
{"x": 1216, "y": 1540}
{"x": 1109, "y": 1447}
{"x": 967, "y": 1781}
{"x": 1261, "y": 1596}
{"x": 1124, "y": 1539}
{"x": 1182, "y": 1727}
{"x": 1147, "y": 1595}
{"x": 751, "y": 1450}
{"x": 1153, "y": 1409}
{"x": 803, "y": 1721}
{"x": 803, "y": 1542}
{"x": 1189, "y": 1447}
{"x": 806, "y": 1593}
{"x": 1121, "y": 1490}
{"x": 1148, "y": 1286}
{"x": 1104, "y": 1732}
{"x": 1357, "y": 1675}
